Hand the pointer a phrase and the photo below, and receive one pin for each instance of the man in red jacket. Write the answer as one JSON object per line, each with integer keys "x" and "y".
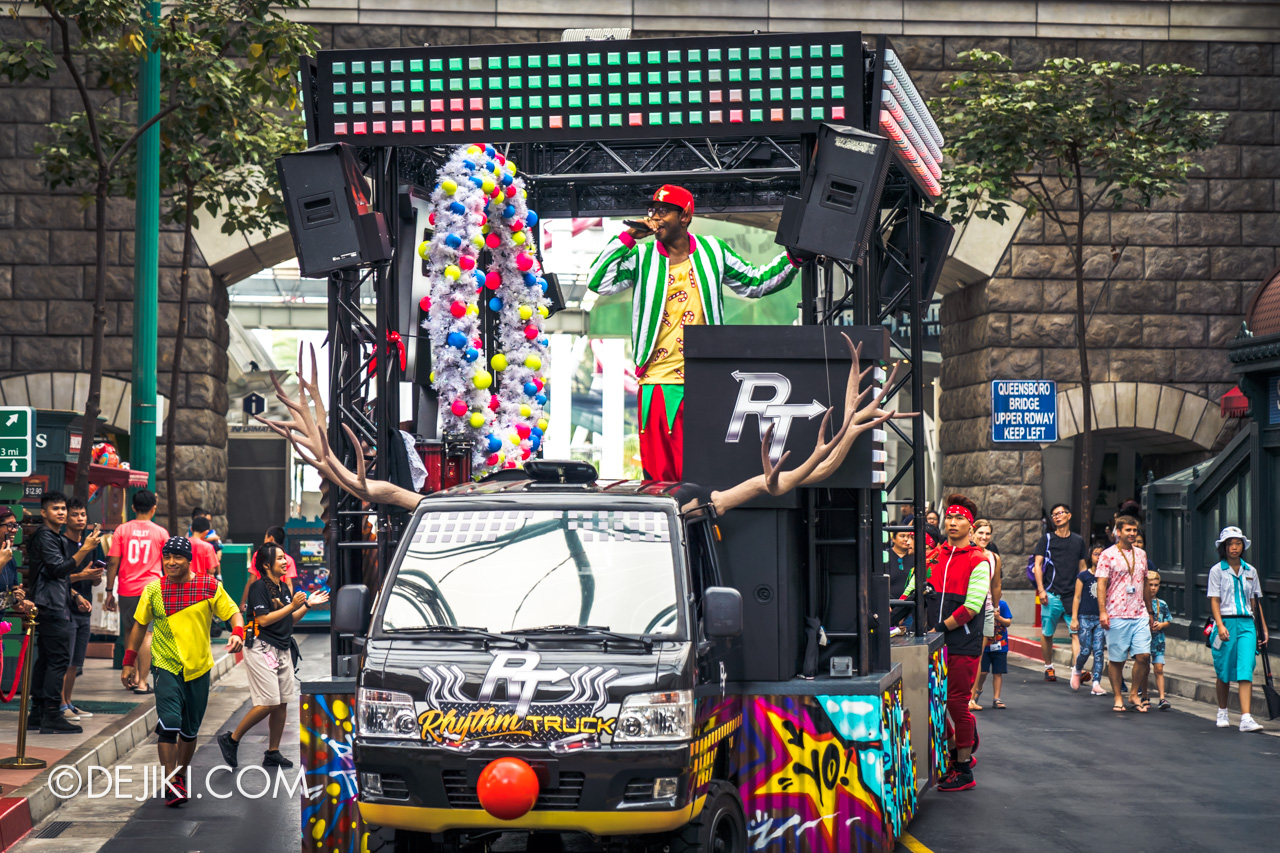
{"x": 959, "y": 581}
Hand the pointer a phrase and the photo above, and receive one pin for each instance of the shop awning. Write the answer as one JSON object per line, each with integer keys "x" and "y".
{"x": 1234, "y": 403}
{"x": 105, "y": 475}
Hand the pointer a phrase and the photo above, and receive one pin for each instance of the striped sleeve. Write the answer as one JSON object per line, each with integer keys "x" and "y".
{"x": 614, "y": 269}
{"x": 753, "y": 282}
{"x": 976, "y": 594}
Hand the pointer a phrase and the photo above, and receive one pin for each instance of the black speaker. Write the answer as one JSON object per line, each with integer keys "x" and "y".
{"x": 327, "y": 200}
{"x": 836, "y": 211}
{"x": 936, "y": 234}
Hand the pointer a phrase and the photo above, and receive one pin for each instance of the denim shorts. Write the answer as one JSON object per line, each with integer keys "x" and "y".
{"x": 1128, "y": 637}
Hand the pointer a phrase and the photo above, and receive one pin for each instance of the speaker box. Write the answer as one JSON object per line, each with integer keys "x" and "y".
{"x": 760, "y": 556}
{"x": 936, "y": 234}
{"x": 836, "y": 211}
{"x": 330, "y": 220}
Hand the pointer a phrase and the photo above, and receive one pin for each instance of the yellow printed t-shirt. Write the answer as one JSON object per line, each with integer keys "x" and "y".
{"x": 183, "y": 614}
{"x": 683, "y": 308}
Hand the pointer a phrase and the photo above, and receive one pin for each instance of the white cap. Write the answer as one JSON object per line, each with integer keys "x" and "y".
{"x": 1232, "y": 533}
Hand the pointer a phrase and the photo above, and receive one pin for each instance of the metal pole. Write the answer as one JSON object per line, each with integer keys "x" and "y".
{"x": 20, "y": 761}
{"x": 142, "y": 418}
{"x": 916, "y": 321}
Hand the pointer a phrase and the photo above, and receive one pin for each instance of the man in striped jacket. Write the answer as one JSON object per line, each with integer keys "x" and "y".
{"x": 677, "y": 280}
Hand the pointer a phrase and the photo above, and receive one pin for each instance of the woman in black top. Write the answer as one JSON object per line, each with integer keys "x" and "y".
{"x": 268, "y": 655}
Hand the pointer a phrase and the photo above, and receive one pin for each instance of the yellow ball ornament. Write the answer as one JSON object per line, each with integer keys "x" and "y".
{"x": 525, "y": 312}
{"x": 448, "y": 186}
{"x": 471, "y": 149}
{"x": 514, "y": 437}
{"x": 423, "y": 249}
{"x": 432, "y": 377}
{"x": 473, "y": 309}
{"x": 523, "y": 194}
{"x": 518, "y": 238}
{"x": 487, "y": 185}
{"x": 525, "y": 411}
{"x": 542, "y": 311}
{"x": 451, "y": 272}
{"x": 511, "y": 166}
{"x": 533, "y": 362}
{"x": 542, "y": 424}
{"x": 477, "y": 420}
{"x": 484, "y": 229}
{"x": 483, "y": 379}
{"x": 478, "y": 241}
{"x": 499, "y": 362}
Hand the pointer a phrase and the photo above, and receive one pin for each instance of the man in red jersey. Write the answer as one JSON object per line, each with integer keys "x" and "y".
{"x": 135, "y": 559}
{"x": 205, "y": 559}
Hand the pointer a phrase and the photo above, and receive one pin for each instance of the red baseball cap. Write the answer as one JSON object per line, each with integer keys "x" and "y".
{"x": 679, "y": 196}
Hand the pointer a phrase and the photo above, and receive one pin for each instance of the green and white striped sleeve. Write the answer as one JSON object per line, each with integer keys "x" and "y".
{"x": 753, "y": 282}
{"x": 614, "y": 269}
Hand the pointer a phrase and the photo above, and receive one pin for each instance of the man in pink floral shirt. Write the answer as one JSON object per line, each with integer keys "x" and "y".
{"x": 1124, "y": 609}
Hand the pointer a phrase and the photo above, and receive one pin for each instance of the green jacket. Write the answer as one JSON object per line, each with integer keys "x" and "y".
{"x": 624, "y": 263}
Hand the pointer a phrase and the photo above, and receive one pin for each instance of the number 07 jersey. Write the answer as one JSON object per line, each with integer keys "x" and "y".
{"x": 137, "y": 544}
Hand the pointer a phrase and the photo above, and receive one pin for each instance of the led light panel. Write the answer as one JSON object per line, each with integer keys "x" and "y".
{"x": 775, "y": 84}
{"x": 904, "y": 118}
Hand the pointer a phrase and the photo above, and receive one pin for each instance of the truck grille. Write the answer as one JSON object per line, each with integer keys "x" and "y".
{"x": 463, "y": 796}
{"x": 638, "y": 791}
{"x": 394, "y": 787}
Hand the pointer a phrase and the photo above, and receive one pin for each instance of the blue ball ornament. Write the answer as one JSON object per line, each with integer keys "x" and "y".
{"x": 495, "y": 444}
{"x": 495, "y": 304}
{"x": 531, "y": 219}
{"x": 530, "y": 279}
{"x": 537, "y": 431}
{"x": 543, "y": 284}
{"x": 457, "y": 207}
{"x": 477, "y": 180}
{"x": 508, "y": 211}
{"x": 534, "y": 441}
{"x": 471, "y": 354}
{"x": 544, "y": 341}
{"x": 506, "y": 180}
{"x": 542, "y": 399}
{"x": 530, "y": 389}
{"x": 453, "y": 241}
{"x": 456, "y": 339}
{"x": 489, "y": 151}
{"x": 479, "y": 278}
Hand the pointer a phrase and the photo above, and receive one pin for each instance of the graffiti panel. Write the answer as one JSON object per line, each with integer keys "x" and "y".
{"x": 330, "y": 813}
{"x": 937, "y": 714}
{"x": 825, "y": 773}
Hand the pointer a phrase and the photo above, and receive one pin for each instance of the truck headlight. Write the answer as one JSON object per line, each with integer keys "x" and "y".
{"x": 385, "y": 713}
{"x": 656, "y": 716}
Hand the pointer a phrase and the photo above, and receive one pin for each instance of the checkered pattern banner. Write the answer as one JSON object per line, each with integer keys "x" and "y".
{"x": 465, "y": 528}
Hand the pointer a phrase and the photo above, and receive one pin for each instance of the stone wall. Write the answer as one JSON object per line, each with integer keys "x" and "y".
{"x": 47, "y": 280}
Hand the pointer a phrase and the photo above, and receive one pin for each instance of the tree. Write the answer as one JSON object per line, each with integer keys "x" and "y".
{"x": 1067, "y": 140}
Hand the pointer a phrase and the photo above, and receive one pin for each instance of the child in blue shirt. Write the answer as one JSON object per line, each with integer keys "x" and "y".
{"x": 995, "y": 659}
{"x": 1160, "y": 613}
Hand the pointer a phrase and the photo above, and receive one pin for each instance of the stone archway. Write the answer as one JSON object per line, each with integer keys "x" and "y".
{"x": 68, "y": 391}
{"x": 1189, "y": 420}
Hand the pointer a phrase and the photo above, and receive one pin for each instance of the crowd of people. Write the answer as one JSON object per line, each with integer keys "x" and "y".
{"x": 1108, "y": 595}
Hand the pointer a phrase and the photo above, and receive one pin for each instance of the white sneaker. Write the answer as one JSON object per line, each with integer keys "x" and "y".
{"x": 83, "y": 714}
{"x": 1249, "y": 724}
{"x": 1097, "y": 690}
{"x": 1223, "y": 722}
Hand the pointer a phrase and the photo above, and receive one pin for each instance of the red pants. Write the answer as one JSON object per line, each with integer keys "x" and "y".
{"x": 662, "y": 432}
{"x": 961, "y": 672}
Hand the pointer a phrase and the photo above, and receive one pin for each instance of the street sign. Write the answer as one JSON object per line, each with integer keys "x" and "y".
{"x": 254, "y": 404}
{"x": 1024, "y": 410}
{"x": 17, "y": 441}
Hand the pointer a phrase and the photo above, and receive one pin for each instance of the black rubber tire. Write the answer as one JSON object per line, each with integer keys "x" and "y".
{"x": 720, "y": 828}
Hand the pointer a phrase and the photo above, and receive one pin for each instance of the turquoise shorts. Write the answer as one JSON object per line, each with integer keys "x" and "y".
{"x": 1128, "y": 637}
{"x": 1051, "y": 613}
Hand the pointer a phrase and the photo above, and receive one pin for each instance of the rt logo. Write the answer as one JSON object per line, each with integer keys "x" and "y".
{"x": 774, "y": 410}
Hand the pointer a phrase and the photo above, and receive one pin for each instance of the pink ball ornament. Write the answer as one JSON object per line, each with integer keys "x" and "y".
{"x": 530, "y": 331}
{"x": 523, "y": 262}
{"x": 523, "y": 431}
{"x": 457, "y": 309}
{"x": 502, "y": 161}
{"x": 511, "y": 191}
{"x": 538, "y": 382}
{"x": 493, "y": 280}
{"x": 467, "y": 262}
{"x": 510, "y": 464}
{"x": 477, "y": 343}
{"x": 493, "y": 241}
{"x": 494, "y": 403}
{"x": 518, "y": 225}
{"x": 431, "y": 218}
{"x": 425, "y": 303}
{"x": 525, "y": 454}
{"x": 492, "y": 460}
{"x": 458, "y": 407}
{"x": 484, "y": 220}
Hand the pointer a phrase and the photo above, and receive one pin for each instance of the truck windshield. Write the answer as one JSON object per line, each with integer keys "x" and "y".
{"x": 511, "y": 569}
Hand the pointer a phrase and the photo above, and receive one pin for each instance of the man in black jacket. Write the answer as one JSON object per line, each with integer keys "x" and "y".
{"x": 53, "y": 558}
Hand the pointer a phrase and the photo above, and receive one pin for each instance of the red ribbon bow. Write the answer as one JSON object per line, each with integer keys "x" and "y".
{"x": 393, "y": 337}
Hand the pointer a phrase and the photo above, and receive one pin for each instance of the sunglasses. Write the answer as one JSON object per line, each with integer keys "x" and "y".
{"x": 659, "y": 212}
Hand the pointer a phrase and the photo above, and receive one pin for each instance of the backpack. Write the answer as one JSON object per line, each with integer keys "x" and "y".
{"x": 1048, "y": 561}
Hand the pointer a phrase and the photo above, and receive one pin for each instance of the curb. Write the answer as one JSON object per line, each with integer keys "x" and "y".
{"x": 30, "y": 804}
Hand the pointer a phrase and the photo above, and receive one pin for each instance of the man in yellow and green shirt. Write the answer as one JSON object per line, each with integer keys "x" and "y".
{"x": 180, "y": 607}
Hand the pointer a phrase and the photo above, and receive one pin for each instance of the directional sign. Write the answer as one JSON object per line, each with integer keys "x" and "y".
{"x": 17, "y": 441}
{"x": 1024, "y": 410}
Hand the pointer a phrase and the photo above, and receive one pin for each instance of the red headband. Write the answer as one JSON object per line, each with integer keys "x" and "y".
{"x": 960, "y": 511}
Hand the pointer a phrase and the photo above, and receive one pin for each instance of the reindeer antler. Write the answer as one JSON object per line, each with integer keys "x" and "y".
{"x": 306, "y": 430}
{"x": 827, "y": 456}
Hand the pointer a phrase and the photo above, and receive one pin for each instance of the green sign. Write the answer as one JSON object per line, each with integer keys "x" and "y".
{"x": 17, "y": 441}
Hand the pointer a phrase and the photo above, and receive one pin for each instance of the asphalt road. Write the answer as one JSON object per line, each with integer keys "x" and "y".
{"x": 1060, "y": 771}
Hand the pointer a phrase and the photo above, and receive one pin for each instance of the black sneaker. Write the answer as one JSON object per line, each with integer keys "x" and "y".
{"x": 229, "y": 748}
{"x": 275, "y": 758}
{"x": 175, "y": 793}
{"x": 959, "y": 779}
{"x": 58, "y": 725}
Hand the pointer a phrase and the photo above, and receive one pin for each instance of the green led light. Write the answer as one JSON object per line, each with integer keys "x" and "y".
{"x": 758, "y": 95}
{"x": 615, "y": 79}
{"x": 797, "y": 73}
{"x": 517, "y": 123}
{"x": 554, "y": 81}
{"x": 437, "y": 65}
{"x": 713, "y": 75}
{"x": 379, "y": 87}
{"x": 815, "y": 92}
{"x": 757, "y": 74}
{"x": 575, "y": 120}
{"x": 597, "y": 120}
{"x": 615, "y": 120}
{"x": 775, "y": 94}
{"x": 416, "y": 85}
{"x": 341, "y": 89}
{"x": 615, "y": 99}
{"x": 837, "y": 71}
{"x": 695, "y": 55}
{"x": 535, "y": 81}
{"x": 357, "y": 88}
{"x": 555, "y": 102}
{"x": 837, "y": 92}
{"x": 656, "y": 98}
{"x": 594, "y": 59}
{"x": 340, "y": 109}
{"x": 357, "y": 68}
{"x": 594, "y": 100}
{"x": 535, "y": 122}
{"x": 735, "y": 75}
{"x": 516, "y": 82}
{"x": 755, "y": 53}
{"x": 534, "y": 62}
{"x": 535, "y": 102}
{"x": 837, "y": 51}
{"x": 817, "y": 113}
{"x": 575, "y": 80}
{"x": 341, "y": 68}
{"x": 455, "y": 64}
{"x": 757, "y": 115}
{"x": 675, "y": 118}
{"x": 455, "y": 84}
{"x": 495, "y": 103}
{"x": 575, "y": 101}
{"x": 633, "y": 58}
{"x": 655, "y": 78}
{"x": 495, "y": 123}
{"x": 515, "y": 102}
{"x": 418, "y": 106}
{"x": 633, "y": 79}
{"x": 815, "y": 51}
{"x": 775, "y": 52}
{"x": 735, "y": 54}
{"x": 815, "y": 71}
{"x": 495, "y": 62}
{"x": 634, "y": 98}
{"x": 593, "y": 80}
{"x": 796, "y": 52}
{"x": 654, "y": 57}
{"x": 553, "y": 61}
{"x": 575, "y": 60}
{"x": 397, "y": 67}
{"x": 673, "y": 56}
{"x": 655, "y": 118}
{"x": 397, "y": 87}
{"x": 495, "y": 82}
{"x": 513, "y": 61}
{"x": 775, "y": 73}
{"x": 616, "y": 59}
{"x": 695, "y": 96}
{"x": 695, "y": 76}
{"x": 397, "y": 106}
{"x": 713, "y": 55}
{"x": 359, "y": 107}
{"x": 673, "y": 77}
{"x": 673, "y": 98}
{"x": 475, "y": 63}
{"x": 695, "y": 117}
